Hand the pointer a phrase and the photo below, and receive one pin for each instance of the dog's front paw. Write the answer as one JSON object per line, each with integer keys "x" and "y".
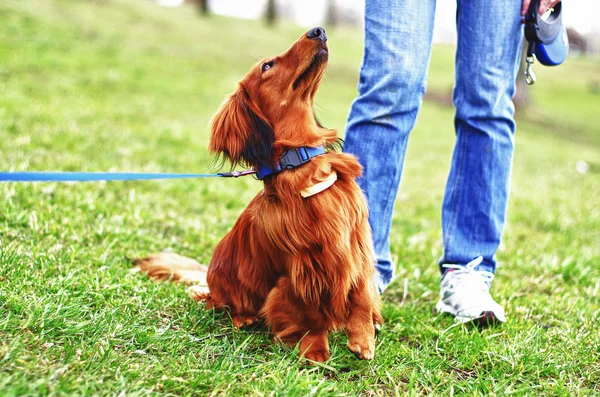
{"x": 363, "y": 348}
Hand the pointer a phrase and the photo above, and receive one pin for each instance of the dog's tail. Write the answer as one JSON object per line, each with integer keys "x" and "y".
{"x": 177, "y": 268}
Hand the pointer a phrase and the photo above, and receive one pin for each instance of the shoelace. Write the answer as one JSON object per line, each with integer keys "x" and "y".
{"x": 468, "y": 274}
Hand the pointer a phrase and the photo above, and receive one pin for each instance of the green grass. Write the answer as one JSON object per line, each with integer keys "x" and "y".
{"x": 125, "y": 85}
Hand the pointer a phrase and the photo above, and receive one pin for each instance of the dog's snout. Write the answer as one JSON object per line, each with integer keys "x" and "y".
{"x": 317, "y": 33}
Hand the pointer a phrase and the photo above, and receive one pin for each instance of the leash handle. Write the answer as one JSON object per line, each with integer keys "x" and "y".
{"x": 547, "y": 37}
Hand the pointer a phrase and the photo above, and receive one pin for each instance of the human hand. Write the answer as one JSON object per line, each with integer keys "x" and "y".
{"x": 545, "y": 5}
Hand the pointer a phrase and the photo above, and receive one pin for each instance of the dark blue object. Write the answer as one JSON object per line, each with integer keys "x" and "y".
{"x": 547, "y": 38}
{"x": 291, "y": 158}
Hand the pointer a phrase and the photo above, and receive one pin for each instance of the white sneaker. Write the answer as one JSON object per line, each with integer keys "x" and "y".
{"x": 465, "y": 293}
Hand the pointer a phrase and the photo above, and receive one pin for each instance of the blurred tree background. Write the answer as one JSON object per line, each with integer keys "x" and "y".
{"x": 583, "y": 30}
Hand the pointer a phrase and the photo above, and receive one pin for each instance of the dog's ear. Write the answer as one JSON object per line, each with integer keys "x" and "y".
{"x": 240, "y": 132}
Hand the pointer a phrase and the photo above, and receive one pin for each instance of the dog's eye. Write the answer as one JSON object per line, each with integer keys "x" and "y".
{"x": 267, "y": 65}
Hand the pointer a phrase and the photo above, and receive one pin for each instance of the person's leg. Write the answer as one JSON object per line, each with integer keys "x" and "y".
{"x": 487, "y": 60}
{"x": 474, "y": 208}
{"x": 393, "y": 76}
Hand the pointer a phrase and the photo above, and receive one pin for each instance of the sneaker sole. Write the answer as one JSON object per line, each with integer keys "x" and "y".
{"x": 486, "y": 318}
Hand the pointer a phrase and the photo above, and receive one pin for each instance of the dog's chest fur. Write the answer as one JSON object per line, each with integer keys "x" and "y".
{"x": 322, "y": 238}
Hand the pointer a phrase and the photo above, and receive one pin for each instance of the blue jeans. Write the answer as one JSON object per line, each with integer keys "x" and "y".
{"x": 393, "y": 78}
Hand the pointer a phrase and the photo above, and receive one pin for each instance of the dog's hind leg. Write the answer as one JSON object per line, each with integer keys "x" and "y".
{"x": 292, "y": 321}
{"x": 240, "y": 321}
{"x": 201, "y": 293}
{"x": 228, "y": 293}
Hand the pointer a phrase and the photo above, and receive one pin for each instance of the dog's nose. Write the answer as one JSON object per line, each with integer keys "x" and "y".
{"x": 317, "y": 33}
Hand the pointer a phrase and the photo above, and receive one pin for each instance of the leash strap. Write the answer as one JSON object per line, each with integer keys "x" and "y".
{"x": 107, "y": 176}
{"x": 531, "y": 37}
{"x": 290, "y": 159}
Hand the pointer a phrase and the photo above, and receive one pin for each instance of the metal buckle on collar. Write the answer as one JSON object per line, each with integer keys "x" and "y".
{"x": 290, "y": 159}
{"x": 293, "y": 158}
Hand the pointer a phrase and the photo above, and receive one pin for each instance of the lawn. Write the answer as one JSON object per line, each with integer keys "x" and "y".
{"x": 123, "y": 85}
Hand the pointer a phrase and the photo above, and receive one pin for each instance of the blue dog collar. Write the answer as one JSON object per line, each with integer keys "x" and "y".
{"x": 291, "y": 158}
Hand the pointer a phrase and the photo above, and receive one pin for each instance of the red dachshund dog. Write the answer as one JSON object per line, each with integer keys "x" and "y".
{"x": 300, "y": 256}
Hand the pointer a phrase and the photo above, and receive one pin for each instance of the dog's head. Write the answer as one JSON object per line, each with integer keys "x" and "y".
{"x": 272, "y": 107}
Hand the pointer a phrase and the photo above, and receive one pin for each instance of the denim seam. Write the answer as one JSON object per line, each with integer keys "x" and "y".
{"x": 389, "y": 204}
{"x": 459, "y": 171}
{"x": 453, "y": 201}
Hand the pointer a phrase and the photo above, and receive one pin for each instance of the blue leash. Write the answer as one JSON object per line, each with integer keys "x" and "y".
{"x": 107, "y": 176}
{"x": 290, "y": 159}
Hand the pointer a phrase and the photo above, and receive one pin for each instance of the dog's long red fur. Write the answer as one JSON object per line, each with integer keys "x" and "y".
{"x": 304, "y": 265}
